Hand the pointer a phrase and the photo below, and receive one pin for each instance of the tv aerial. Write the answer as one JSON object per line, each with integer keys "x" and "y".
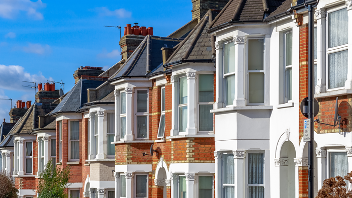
{"x": 7, "y": 99}
{"x": 31, "y": 86}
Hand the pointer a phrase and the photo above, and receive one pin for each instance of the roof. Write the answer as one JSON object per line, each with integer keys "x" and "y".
{"x": 76, "y": 97}
{"x": 183, "y": 31}
{"x": 112, "y": 69}
{"x": 238, "y": 11}
{"x": 197, "y": 46}
{"x": 51, "y": 125}
{"x": 146, "y": 57}
{"x": 5, "y": 129}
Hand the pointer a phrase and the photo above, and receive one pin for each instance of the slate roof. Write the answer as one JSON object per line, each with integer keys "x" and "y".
{"x": 5, "y": 129}
{"x": 51, "y": 125}
{"x": 197, "y": 46}
{"x": 183, "y": 31}
{"x": 146, "y": 57}
{"x": 239, "y": 11}
{"x": 76, "y": 97}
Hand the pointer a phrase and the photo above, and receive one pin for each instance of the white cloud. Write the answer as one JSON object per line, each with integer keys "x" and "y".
{"x": 9, "y": 9}
{"x": 10, "y": 35}
{"x": 113, "y": 54}
{"x": 119, "y": 13}
{"x": 37, "y": 48}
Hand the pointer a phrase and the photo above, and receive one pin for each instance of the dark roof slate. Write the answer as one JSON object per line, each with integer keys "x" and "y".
{"x": 51, "y": 125}
{"x": 5, "y": 129}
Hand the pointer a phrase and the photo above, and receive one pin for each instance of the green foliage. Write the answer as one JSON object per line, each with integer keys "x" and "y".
{"x": 7, "y": 188}
{"x": 53, "y": 182}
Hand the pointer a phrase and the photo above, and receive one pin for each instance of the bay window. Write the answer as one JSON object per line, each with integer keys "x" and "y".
{"x": 256, "y": 71}
{"x": 110, "y": 134}
{"x": 182, "y": 188}
{"x": 142, "y": 114}
{"x": 74, "y": 140}
{"x": 123, "y": 114}
{"x": 122, "y": 186}
{"x": 161, "y": 130}
{"x": 287, "y": 62}
{"x": 182, "y": 104}
{"x": 227, "y": 176}
{"x": 255, "y": 175}
{"x": 206, "y": 101}
{"x": 229, "y": 72}
{"x": 205, "y": 189}
{"x": 141, "y": 186}
{"x": 29, "y": 157}
{"x": 338, "y": 164}
{"x": 337, "y": 48}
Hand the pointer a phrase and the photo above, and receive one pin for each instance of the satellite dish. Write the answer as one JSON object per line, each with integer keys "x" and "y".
{"x": 337, "y": 117}
{"x": 151, "y": 150}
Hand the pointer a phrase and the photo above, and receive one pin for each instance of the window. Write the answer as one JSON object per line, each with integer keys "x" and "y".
{"x": 142, "y": 114}
{"x": 17, "y": 157}
{"x": 0, "y": 161}
{"x": 182, "y": 105}
{"x": 89, "y": 131}
{"x": 227, "y": 176}
{"x": 337, "y": 48}
{"x": 123, "y": 114}
{"x": 206, "y": 101}
{"x": 60, "y": 141}
{"x": 255, "y": 175}
{"x": 95, "y": 135}
{"x": 41, "y": 154}
{"x": 229, "y": 72}
{"x": 287, "y": 62}
{"x": 53, "y": 151}
{"x": 111, "y": 134}
{"x": 338, "y": 164}
{"x": 29, "y": 157}
{"x": 182, "y": 187}
{"x": 123, "y": 186}
{"x": 141, "y": 186}
{"x": 161, "y": 130}
{"x": 256, "y": 71}
{"x": 74, "y": 193}
{"x": 205, "y": 187}
{"x": 74, "y": 140}
{"x": 111, "y": 194}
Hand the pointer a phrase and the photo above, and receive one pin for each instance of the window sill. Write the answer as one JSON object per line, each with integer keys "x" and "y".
{"x": 101, "y": 160}
{"x": 133, "y": 141}
{"x": 24, "y": 175}
{"x": 190, "y": 136}
{"x": 333, "y": 93}
{"x": 285, "y": 105}
{"x": 160, "y": 140}
{"x": 77, "y": 162}
{"x": 243, "y": 108}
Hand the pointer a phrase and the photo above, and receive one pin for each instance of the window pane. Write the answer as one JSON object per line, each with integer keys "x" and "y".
{"x": 182, "y": 187}
{"x": 141, "y": 185}
{"x": 206, "y": 88}
{"x": 0, "y": 162}
{"x": 256, "y": 88}
{"x": 338, "y": 28}
{"x": 123, "y": 126}
{"x": 74, "y": 150}
{"x": 183, "y": 90}
{"x": 315, "y": 43}
{"x": 256, "y": 191}
{"x": 74, "y": 130}
{"x": 315, "y": 75}
{"x": 205, "y": 186}
{"x": 228, "y": 191}
{"x": 142, "y": 101}
{"x": 255, "y": 54}
{"x": 205, "y": 118}
{"x": 229, "y": 58}
{"x": 123, "y": 185}
{"x": 111, "y": 123}
{"x": 182, "y": 119}
{"x": 255, "y": 168}
{"x": 338, "y": 164}
{"x": 230, "y": 89}
{"x": 96, "y": 123}
{"x": 74, "y": 193}
{"x": 123, "y": 102}
{"x": 142, "y": 127}
{"x": 227, "y": 169}
{"x": 163, "y": 99}
{"x": 161, "y": 126}
{"x": 288, "y": 48}
{"x": 338, "y": 69}
{"x": 53, "y": 147}
{"x": 288, "y": 83}
{"x": 111, "y": 147}
{"x": 28, "y": 148}
{"x": 111, "y": 194}
{"x": 29, "y": 165}
{"x": 60, "y": 130}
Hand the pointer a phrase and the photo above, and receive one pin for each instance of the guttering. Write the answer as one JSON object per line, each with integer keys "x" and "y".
{"x": 188, "y": 61}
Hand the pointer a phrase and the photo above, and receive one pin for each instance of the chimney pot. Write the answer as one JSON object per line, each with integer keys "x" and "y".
{"x": 150, "y": 31}
{"x": 125, "y": 32}
{"x": 23, "y": 105}
{"x": 129, "y": 29}
{"x": 29, "y": 103}
{"x": 40, "y": 86}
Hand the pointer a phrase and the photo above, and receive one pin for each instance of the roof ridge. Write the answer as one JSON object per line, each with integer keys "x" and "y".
{"x": 221, "y": 12}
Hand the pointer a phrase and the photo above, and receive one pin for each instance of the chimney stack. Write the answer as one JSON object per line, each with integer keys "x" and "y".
{"x": 201, "y": 7}
{"x": 87, "y": 72}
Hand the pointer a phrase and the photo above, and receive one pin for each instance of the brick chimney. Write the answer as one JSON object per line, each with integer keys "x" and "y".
{"x": 87, "y": 72}
{"x": 201, "y": 7}
{"x": 132, "y": 37}
{"x": 19, "y": 110}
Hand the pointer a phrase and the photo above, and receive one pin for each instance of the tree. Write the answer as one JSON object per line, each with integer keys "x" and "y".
{"x": 335, "y": 187}
{"x": 7, "y": 188}
{"x": 53, "y": 181}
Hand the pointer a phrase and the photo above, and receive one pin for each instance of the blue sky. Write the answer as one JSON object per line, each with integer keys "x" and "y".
{"x": 44, "y": 40}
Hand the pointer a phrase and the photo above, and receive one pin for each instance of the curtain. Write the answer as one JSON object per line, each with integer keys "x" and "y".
{"x": 255, "y": 174}
{"x": 227, "y": 167}
{"x": 142, "y": 101}
{"x": 288, "y": 78}
{"x": 183, "y": 90}
{"x": 182, "y": 118}
{"x": 205, "y": 118}
{"x": 338, "y": 69}
{"x": 161, "y": 126}
{"x": 74, "y": 149}
{"x": 205, "y": 186}
{"x": 141, "y": 185}
{"x": 256, "y": 87}
{"x": 229, "y": 58}
{"x": 230, "y": 89}
{"x": 123, "y": 102}
{"x": 206, "y": 88}
{"x": 338, "y": 28}
{"x": 123, "y": 185}
{"x": 288, "y": 46}
{"x": 123, "y": 126}
{"x": 142, "y": 127}
{"x": 338, "y": 164}
{"x": 182, "y": 187}
{"x": 255, "y": 54}
{"x": 256, "y": 192}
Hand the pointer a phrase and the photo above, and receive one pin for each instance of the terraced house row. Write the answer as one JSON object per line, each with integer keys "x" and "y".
{"x": 210, "y": 111}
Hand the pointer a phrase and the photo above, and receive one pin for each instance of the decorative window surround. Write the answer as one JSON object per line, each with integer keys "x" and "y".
{"x": 101, "y": 154}
{"x": 129, "y": 113}
{"x": 19, "y": 149}
{"x": 45, "y": 148}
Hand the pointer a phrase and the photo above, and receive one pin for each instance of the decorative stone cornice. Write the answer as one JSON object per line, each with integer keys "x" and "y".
{"x": 116, "y": 93}
{"x": 239, "y": 154}
{"x": 239, "y": 39}
{"x": 7, "y": 154}
{"x": 320, "y": 152}
{"x": 128, "y": 90}
{"x": 159, "y": 182}
{"x": 45, "y": 138}
{"x": 301, "y": 162}
{"x": 190, "y": 176}
{"x": 281, "y": 161}
{"x": 100, "y": 113}
{"x": 348, "y": 4}
{"x": 128, "y": 175}
{"x": 217, "y": 155}
{"x": 320, "y": 14}
{"x": 349, "y": 151}
{"x": 218, "y": 45}
{"x": 20, "y": 141}
{"x": 191, "y": 75}
{"x": 101, "y": 191}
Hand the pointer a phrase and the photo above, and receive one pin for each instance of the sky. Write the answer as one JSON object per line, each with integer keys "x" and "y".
{"x": 42, "y": 40}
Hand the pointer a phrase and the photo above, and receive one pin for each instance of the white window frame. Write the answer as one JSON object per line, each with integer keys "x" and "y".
{"x": 181, "y": 105}
{"x": 329, "y": 151}
{"x": 120, "y": 185}
{"x": 122, "y": 114}
{"x": 52, "y": 156}
{"x": 161, "y": 111}
{"x": 41, "y": 154}
{"x": 28, "y": 157}
{"x": 204, "y": 103}
{"x": 89, "y": 139}
{"x": 255, "y": 71}
{"x": 247, "y": 171}
{"x": 69, "y": 141}
{"x": 286, "y": 67}
{"x": 197, "y": 187}
{"x": 0, "y": 161}
{"x": 225, "y": 75}
{"x": 334, "y": 49}
{"x": 135, "y": 185}
{"x": 111, "y": 132}
{"x": 221, "y": 185}
{"x": 177, "y": 185}
{"x": 95, "y": 134}
{"x": 73, "y": 189}
{"x": 141, "y": 114}
{"x": 17, "y": 157}
{"x": 60, "y": 141}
